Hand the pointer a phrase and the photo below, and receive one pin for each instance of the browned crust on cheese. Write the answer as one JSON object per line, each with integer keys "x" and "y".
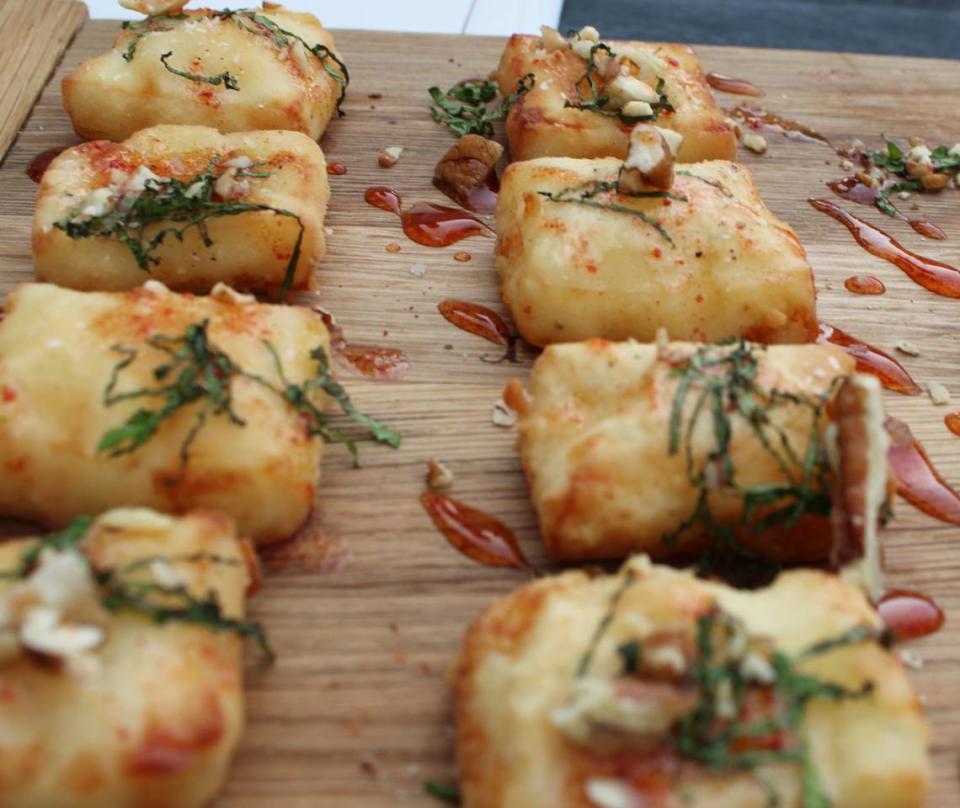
{"x": 539, "y": 126}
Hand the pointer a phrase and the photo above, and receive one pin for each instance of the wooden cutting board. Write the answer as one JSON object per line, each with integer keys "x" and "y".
{"x": 356, "y": 712}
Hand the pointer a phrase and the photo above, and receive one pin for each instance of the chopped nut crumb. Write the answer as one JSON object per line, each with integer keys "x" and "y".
{"x": 735, "y": 126}
{"x": 582, "y": 48}
{"x": 438, "y": 475}
{"x": 904, "y": 194}
{"x": 368, "y": 764}
{"x": 637, "y": 109}
{"x": 589, "y": 33}
{"x": 466, "y": 166}
{"x": 418, "y": 270}
{"x": 756, "y": 143}
{"x": 856, "y": 143}
{"x": 846, "y": 165}
{"x": 935, "y": 182}
{"x": 389, "y": 156}
{"x": 503, "y": 415}
{"x": 907, "y": 348}
{"x": 650, "y": 159}
{"x": 939, "y": 394}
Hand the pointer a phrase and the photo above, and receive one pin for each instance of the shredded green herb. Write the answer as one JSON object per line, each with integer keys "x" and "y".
{"x": 160, "y": 603}
{"x": 631, "y": 654}
{"x": 443, "y": 792}
{"x": 170, "y": 207}
{"x": 66, "y": 539}
{"x": 718, "y": 185}
{"x": 198, "y": 373}
{"x": 151, "y": 25}
{"x": 721, "y": 381}
{"x": 586, "y": 194}
{"x": 226, "y": 78}
{"x": 465, "y": 107}
{"x": 250, "y": 21}
{"x": 584, "y": 664}
{"x": 893, "y": 160}
{"x": 332, "y": 65}
{"x": 593, "y": 99}
{"x": 175, "y": 604}
{"x": 742, "y": 743}
{"x": 725, "y": 730}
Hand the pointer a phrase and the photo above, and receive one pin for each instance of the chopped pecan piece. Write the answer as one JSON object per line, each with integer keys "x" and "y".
{"x": 466, "y": 166}
{"x": 862, "y": 482}
{"x": 650, "y": 159}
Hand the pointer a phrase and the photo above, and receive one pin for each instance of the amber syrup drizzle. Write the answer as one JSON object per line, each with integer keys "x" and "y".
{"x": 855, "y": 190}
{"x": 888, "y": 370}
{"x": 909, "y": 615}
{"x": 935, "y": 276}
{"x": 425, "y": 223}
{"x": 918, "y": 482}
{"x": 476, "y": 534}
{"x": 482, "y": 322}
{"x": 730, "y": 84}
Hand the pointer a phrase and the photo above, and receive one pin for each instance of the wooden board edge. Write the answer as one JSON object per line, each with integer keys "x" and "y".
{"x": 36, "y": 34}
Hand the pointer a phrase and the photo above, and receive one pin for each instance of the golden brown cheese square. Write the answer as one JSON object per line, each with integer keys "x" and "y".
{"x": 154, "y": 718}
{"x": 59, "y": 352}
{"x": 677, "y": 449}
{"x": 540, "y": 125}
{"x": 543, "y": 720}
{"x": 262, "y": 195}
{"x": 251, "y": 69}
{"x": 707, "y": 262}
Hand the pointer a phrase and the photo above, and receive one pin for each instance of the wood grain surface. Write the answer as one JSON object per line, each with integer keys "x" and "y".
{"x": 34, "y": 35}
{"x": 356, "y": 711}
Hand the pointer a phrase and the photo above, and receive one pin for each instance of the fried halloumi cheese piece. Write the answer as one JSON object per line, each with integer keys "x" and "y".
{"x": 206, "y": 430}
{"x": 541, "y": 123}
{"x": 237, "y": 71}
{"x": 706, "y": 260}
{"x": 619, "y": 690}
{"x": 678, "y": 449}
{"x": 103, "y": 705}
{"x": 245, "y": 209}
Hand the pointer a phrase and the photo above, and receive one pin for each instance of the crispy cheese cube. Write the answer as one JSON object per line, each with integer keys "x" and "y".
{"x": 283, "y": 171}
{"x": 271, "y": 82}
{"x": 615, "y": 438}
{"x": 536, "y": 728}
{"x": 59, "y": 351}
{"x": 720, "y": 265}
{"x": 539, "y": 125}
{"x": 156, "y": 719}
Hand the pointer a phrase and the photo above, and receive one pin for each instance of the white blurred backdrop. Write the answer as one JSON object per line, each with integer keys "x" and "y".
{"x": 493, "y": 17}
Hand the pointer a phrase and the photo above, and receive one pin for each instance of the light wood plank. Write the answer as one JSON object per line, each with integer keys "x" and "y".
{"x": 33, "y": 36}
{"x": 356, "y": 711}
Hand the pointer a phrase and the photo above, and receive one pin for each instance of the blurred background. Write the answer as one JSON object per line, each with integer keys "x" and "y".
{"x": 906, "y": 27}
